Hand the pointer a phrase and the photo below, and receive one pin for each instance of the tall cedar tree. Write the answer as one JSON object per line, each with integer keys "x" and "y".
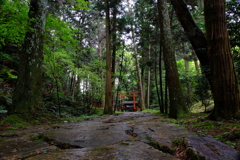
{"x": 224, "y": 81}
{"x": 28, "y": 92}
{"x": 108, "y": 109}
{"x": 135, "y": 51}
{"x": 177, "y": 102}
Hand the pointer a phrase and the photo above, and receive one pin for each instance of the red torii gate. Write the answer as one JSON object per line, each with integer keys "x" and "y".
{"x": 130, "y": 94}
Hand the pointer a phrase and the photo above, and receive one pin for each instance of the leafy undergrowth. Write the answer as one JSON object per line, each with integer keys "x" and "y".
{"x": 21, "y": 121}
{"x": 227, "y": 131}
{"x": 98, "y": 112}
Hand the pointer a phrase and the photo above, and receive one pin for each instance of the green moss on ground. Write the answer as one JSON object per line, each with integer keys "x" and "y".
{"x": 227, "y": 131}
{"x": 20, "y": 121}
{"x": 13, "y": 122}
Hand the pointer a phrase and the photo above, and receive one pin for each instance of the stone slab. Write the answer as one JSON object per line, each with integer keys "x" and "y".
{"x": 12, "y": 150}
{"x": 209, "y": 149}
{"x": 122, "y": 151}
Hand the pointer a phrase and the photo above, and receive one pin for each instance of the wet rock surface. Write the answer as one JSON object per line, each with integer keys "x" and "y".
{"x": 130, "y": 136}
{"x": 121, "y": 151}
{"x": 18, "y": 149}
{"x": 209, "y": 149}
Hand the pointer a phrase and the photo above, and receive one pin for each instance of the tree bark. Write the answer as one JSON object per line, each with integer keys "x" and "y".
{"x": 186, "y": 64}
{"x": 224, "y": 81}
{"x": 177, "y": 101}
{"x": 140, "y": 85}
{"x": 194, "y": 34}
{"x": 195, "y": 59}
{"x": 28, "y": 92}
{"x": 135, "y": 51}
{"x": 163, "y": 104}
{"x": 108, "y": 109}
{"x": 114, "y": 49}
{"x": 149, "y": 76}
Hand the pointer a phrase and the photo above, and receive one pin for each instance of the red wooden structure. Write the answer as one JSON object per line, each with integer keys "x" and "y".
{"x": 130, "y": 94}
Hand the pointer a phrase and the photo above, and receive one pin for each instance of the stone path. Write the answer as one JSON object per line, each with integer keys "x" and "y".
{"x": 127, "y": 136}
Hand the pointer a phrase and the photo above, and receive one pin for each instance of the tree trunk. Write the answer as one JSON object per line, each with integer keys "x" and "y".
{"x": 223, "y": 75}
{"x": 177, "y": 102}
{"x": 164, "y": 105}
{"x": 114, "y": 50}
{"x": 186, "y": 64}
{"x": 108, "y": 109}
{"x": 28, "y": 92}
{"x": 120, "y": 81}
{"x": 149, "y": 78}
{"x": 140, "y": 86}
{"x": 100, "y": 51}
{"x": 156, "y": 85}
{"x": 166, "y": 109}
{"x": 195, "y": 59}
{"x": 194, "y": 34}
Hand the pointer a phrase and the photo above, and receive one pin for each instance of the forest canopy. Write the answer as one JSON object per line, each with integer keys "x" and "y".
{"x": 67, "y": 57}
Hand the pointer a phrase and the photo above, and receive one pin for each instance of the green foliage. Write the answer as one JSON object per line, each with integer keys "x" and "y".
{"x": 90, "y": 72}
{"x": 191, "y": 118}
{"x": 79, "y": 4}
{"x": 59, "y": 34}
{"x": 56, "y": 63}
{"x": 98, "y": 113}
{"x": 5, "y": 56}
{"x": 186, "y": 76}
{"x": 13, "y": 122}
{"x": 233, "y": 21}
{"x": 205, "y": 124}
{"x": 177, "y": 142}
{"x": 60, "y": 48}
{"x": 153, "y": 111}
{"x": 236, "y": 57}
{"x": 188, "y": 80}
{"x": 202, "y": 91}
{"x": 13, "y": 119}
{"x": 231, "y": 144}
{"x": 2, "y": 2}
{"x": 13, "y": 21}
{"x": 8, "y": 73}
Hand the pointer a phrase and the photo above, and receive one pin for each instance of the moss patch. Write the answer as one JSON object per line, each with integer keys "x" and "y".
{"x": 227, "y": 131}
{"x": 20, "y": 121}
{"x": 13, "y": 122}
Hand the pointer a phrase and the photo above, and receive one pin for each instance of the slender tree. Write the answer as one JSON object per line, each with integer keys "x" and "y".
{"x": 28, "y": 93}
{"x": 135, "y": 51}
{"x": 177, "y": 102}
{"x": 224, "y": 81}
{"x": 108, "y": 109}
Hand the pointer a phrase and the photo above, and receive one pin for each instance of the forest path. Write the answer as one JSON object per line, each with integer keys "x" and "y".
{"x": 129, "y": 135}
